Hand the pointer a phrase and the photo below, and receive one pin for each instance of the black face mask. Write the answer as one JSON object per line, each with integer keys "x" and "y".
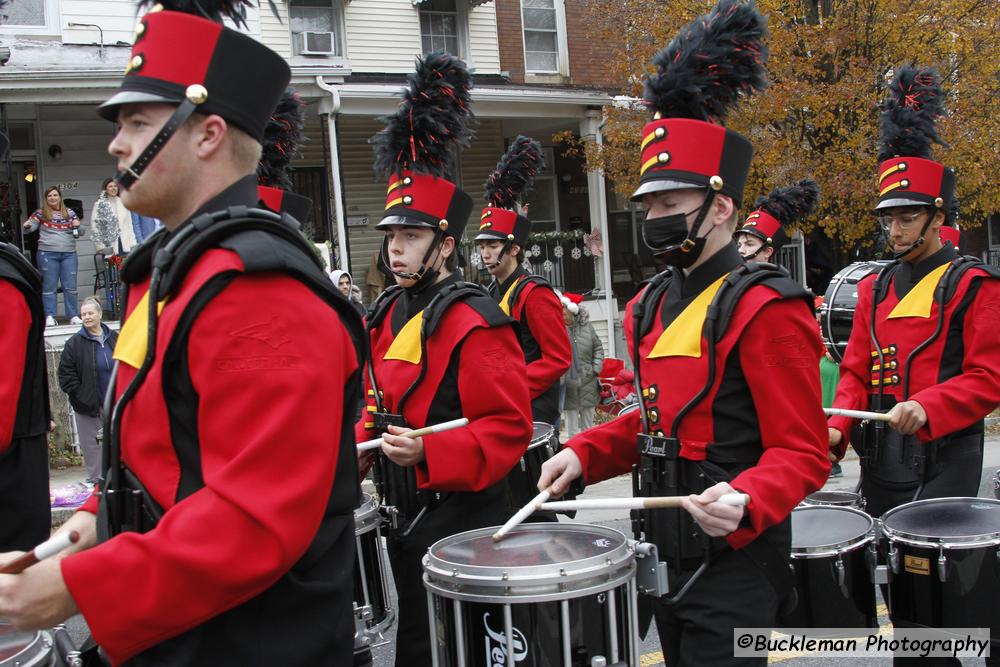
{"x": 668, "y": 237}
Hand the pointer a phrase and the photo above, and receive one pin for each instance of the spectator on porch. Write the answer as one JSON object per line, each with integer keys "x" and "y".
{"x": 144, "y": 226}
{"x": 583, "y": 389}
{"x": 59, "y": 230}
{"x": 344, "y": 282}
{"x": 111, "y": 223}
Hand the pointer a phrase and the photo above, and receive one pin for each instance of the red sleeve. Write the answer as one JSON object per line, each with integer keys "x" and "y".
{"x": 13, "y": 346}
{"x": 543, "y": 313}
{"x": 494, "y": 396}
{"x": 855, "y": 370}
{"x": 269, "y": 442}
{"x": 966, "y": 398}
{"x": 779, "y": 353}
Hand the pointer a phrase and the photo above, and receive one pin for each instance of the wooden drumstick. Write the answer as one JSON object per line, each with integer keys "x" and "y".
{"x": 46, "y": 549}
{"x": 651, "y": 503}
{"x": 522, "y": 514}
{"x": 416, "y": 433}
{"x": 856, "y": 414}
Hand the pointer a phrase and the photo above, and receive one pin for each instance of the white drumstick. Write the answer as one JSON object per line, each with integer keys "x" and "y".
{"x": 427, "y": 430}
{"x": 856, "y": 414}
{"x": 523, "y": 514}
{"x": 653, "y": 502}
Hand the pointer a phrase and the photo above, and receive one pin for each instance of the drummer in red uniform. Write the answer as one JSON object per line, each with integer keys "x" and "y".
{"x": 223, "y": 533}
{"x": 765, "y": 231}
{"x": 529, "y": 299}
{"x": 726, "y": 356}
{"x": 935, "y": 369}
{"x": 441, "y": 349}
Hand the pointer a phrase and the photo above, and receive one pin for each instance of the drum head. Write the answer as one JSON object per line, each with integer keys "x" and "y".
{"x": 822, "y": 529}
{"x": 366, "y": 515}
{"x": 540, "y": 434}
{"x": 533, "y": 559}
{"x": 838, "y": 498}
{"x": 945, "y": 520}
{"x": 23, "y": 648}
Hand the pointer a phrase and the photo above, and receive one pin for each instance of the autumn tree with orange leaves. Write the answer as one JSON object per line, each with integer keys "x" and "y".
{"x": 829, "y": 64}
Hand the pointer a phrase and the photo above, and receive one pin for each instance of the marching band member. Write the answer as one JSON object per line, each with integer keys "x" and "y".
{"x": 528, "y": 299}
{"x": 25, "y": 518}
{"x": 223, "y": 533}
{"x": 282, "y": 136}
{"x": 923, "y": 346}
{"x": 765, "y": 231}
{"x": 441, "y": 349}
{"x": 726, "y": 356}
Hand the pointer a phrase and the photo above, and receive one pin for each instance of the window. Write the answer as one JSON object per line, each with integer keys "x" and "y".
{"x": 439, "y": 26}
{"x": 30, "y": 17}
{"x": 316, "y": 27}
{"x": 544, "y": 36}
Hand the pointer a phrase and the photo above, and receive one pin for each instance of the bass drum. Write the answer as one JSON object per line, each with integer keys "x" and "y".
{"x": 841, "y": 299}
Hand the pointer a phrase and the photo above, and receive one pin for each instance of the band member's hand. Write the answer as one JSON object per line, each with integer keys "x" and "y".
{"x": 406, "y": 452}
{"x": 716, "y": 519}
{"x": 907, "y": 417}
{"x": 365, "y": 462}
{"x": 559, "y": 471}
{"x": 37, "y": 598}
{"x": 836, "y": 437}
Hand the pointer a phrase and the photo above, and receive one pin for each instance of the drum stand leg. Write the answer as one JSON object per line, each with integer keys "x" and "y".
{"x": 433, "y": 630}
{"x": 633, "y": 605}
{"x": 456, "y": 609}
{"x": 567, "y": 648}
{"x": 613, "y": 623}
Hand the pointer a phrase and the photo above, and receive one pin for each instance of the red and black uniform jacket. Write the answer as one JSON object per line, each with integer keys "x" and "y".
{"x": 531, "y": 301}
{"x": 955, "y": 377}
{"x": 24, "y": 407}
{"x": 764, "y": 404}
{"x": 239, "y": 434}
{"x": 471, "y": 366}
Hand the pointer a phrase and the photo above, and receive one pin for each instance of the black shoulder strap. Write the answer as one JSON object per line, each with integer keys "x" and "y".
{"x": 880, "y": 288}
{"x": 381, "y": 305}
{"x": 960, "y": 265}
{"x": 472, "y": 294}
{"x": 521, "y": 284}
{"x": 646, "y": 307}
{"x": 745, "y": 277}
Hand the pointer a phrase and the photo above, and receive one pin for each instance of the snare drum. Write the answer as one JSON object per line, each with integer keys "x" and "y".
{"x": 547, "y": 594}
{"x": 833, "y": 557}
{"x": 24, "y": 649}
{"x": 944, "y": 562}
{"x": 523, "y": 479}
{"x": 836, "y": 499}
{"x": 372, "y": 611}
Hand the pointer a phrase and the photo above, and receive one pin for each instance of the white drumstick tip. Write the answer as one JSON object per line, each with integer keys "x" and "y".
{"x": 522, "y": 514}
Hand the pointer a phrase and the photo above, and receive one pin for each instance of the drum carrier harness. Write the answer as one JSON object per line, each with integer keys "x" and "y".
{"x": 403, "y": 505}
{"x": 265, "y": 242}
{"x": 662, "y": 471}
{"x": 892, "y": 456}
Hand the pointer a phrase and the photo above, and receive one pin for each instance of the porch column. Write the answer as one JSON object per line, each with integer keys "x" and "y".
{"x": 590, "y": 128}
{"x": 331, "y": 108}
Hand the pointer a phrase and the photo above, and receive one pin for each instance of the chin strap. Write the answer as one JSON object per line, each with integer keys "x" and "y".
{"x": 503, "y": 251}
{"x": 425, "y": 275}
{"x": 688, "y": 244}
{"x": 919, "y": 242}
{"x": 130, "y": 174}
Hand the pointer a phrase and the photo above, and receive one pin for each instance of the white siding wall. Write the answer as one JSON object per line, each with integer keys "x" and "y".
{"x": 382, "y": 35}
{"x": 273, "y": 32}
{"x": 485, "y": 53}
{"x": 85, "y": 163}
{"x": 118, "y": 19}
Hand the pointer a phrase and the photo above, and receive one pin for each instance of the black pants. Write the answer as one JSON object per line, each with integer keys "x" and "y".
{"x": 733, "y": 593}
{"x": 458, "y": 513}
{"x": 25, "y": 516}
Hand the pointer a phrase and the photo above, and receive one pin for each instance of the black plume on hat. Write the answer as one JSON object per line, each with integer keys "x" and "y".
{"x": 909, "y": 113}
{"x": 430, "y": 120}
{"x": 282, "y": 136}
{"x": 213, "y": 10}
{"x": 709, "y": 64}
{"x": 791, "y": 203}
{"x": 514, "y": 175}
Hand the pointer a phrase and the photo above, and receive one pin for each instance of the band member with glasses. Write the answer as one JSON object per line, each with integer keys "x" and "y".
{"x": 924, "y": 344}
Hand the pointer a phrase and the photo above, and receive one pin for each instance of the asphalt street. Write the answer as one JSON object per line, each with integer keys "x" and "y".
{"x": 651, "y": 656}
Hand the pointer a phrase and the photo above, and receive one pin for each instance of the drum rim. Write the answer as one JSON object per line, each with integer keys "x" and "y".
{"x": 366, "y": 516}
{"x": 837, "y": 548}
{"x": 851, "y": 494}
{"x": 499, "y": 584}
{"x": 933, "y": 542}
{"x": 541, "y": 440}
{"x": 39, "y": 649}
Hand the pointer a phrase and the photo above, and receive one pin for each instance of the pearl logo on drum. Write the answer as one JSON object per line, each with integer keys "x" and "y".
{"x": 602, "y": 542}
{"x": 496, "y": 645}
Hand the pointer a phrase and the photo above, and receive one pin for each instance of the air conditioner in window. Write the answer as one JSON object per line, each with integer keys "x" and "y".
{"x": 317, "y": 43}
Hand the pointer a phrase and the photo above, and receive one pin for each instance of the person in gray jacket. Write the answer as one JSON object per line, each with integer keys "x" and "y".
{"x": 583, "y": 390}
{"x": 84, "y": 374}
{"x": 60, "y": 228}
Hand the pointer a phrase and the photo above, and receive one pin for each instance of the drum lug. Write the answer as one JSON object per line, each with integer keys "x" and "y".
{"x": 894, "y": 559}
{"x": 650, "y": 572}
{"x": 942, "y": 565}
{"x": 841, "y": 576}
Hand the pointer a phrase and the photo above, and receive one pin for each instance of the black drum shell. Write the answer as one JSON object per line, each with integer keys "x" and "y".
{"x": 822, "y": 603}
{"x": 839, "y": 304}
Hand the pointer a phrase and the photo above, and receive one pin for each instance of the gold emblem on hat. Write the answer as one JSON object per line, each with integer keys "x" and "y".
{"x": 660, "y": 132}
{"x": 939, "y": 202}
{"x": 134, "y": 64}
{"x": 140, "y": 30}
{"x": 716, "y": 183}
{"x": 443, "y": 225}
{"x": 407, "y": 200}
{"x": 196, "y": 93}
